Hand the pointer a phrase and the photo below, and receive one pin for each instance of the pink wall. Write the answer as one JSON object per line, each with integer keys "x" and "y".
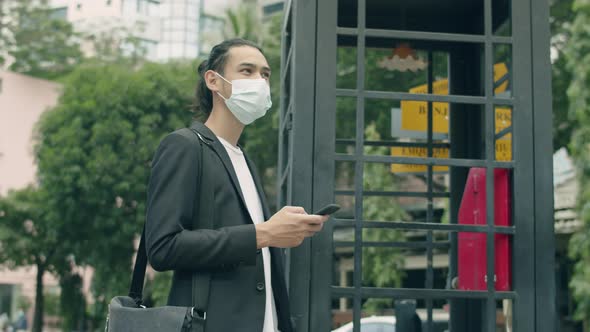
{"x": 22, "y": 100}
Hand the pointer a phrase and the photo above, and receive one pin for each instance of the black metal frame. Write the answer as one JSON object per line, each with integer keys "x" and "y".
{"x": 307, "y": 157}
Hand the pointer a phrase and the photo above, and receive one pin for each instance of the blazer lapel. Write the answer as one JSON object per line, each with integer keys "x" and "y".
{"x": 219, "y": 149}
{"x": 259, "y": 188}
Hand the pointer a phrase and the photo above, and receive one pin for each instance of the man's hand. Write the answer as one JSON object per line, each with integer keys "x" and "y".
{"x": 288, "y": 228}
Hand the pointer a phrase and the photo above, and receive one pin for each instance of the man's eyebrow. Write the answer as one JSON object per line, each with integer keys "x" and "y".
{"x": 251, "y": 65}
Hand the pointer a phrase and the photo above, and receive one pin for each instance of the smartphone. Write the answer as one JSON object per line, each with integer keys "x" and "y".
{"x": 328, "y": 209}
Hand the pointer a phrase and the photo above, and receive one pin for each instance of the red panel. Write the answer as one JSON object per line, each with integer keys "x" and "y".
{"x": 502, "y": 216}
{"x": 472, "y": 261}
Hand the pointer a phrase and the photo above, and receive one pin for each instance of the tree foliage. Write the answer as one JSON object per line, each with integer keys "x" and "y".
{"x": 36, "y": 43}
{"x": 244, "y": 21}
{"x": 94, "y": 152}
{"x": 564, "y": 123}
{"x": 577, "y": 53}
{"x": 382, "y": 267}
{"x": 31, "y": 236}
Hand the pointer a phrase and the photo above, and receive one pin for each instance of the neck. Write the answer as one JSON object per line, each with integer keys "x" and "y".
{"x": 224, "y": 124}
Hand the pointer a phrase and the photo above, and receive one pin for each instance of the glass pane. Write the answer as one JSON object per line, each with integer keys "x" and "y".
{"x": 396, "y": 65}
{"x": 347, "y": 13}
{"x": 502, "y": 17}
{"x": 344, "y": 173}
{"x": 378, "y": 177}
{"x": 503, "y": 130}
{"x": 345, "y": 146}
{"x": 343, "y": 258}
{"x": 392, "y": 65}
{"x": 504, "y": 316}
{"x": 342, "y": 313}
{"x": 346, "y": 63}
{"x": 397, "y": 258}
{"x": 399, "y": 128}
{"x": 503, "y": 184}
{"x": 433, "y": 16}
{"x": 346, "y": 118}
{"x": 347, "y": 207}
{"x": 503, "y": 70}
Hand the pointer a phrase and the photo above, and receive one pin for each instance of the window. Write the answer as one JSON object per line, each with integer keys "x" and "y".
{"x": 129, "y": 7}
{"x": 191, "y": 51}
{"x": 175, "y": 37}
{"x": 191, "y": 37}
{"x": 150, "y": 47}
{"x": 153, "y": 8}
{"x": 192, "y": 11}
{"x": 176, "y": 50}
{"x": 178, "y": 10}
{"x": 59, "y": 13}
{"x": 177, "y": 24}
{"x": 273, "y": 8}
{"x": 6, "y": 298}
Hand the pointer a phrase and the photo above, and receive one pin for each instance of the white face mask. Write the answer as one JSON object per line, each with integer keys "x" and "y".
{"x": 249, "y": 100}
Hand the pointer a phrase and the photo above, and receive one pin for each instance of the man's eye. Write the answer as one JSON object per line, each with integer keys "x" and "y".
{"x": 248, "y": 71}
{"x": 266, "y": 75}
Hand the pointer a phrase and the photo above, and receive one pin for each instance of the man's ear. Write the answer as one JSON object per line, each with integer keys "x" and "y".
{"x": 212, "y": 80}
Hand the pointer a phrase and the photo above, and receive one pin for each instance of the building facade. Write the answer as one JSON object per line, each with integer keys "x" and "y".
{"x": 166, "y": 29}
{"x": 18, "y": 116}
{"x": 180, "y": 29}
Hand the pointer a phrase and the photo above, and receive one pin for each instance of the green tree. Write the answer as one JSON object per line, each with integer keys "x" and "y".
{"x": 244, "y": 21}
{"x": 577, "y": 53}
{"x": 382, "y": 267}
{"x": 30, "y": 235}
{"x": 94, "y": 152}
{"x": 72, "y": 303}
{"x": 562, "y": 17}
{"x": 37, "y": 43}
{"x": 3, "y": 34}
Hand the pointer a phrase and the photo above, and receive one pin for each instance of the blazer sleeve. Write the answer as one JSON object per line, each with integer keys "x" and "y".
{"x": 172, "y": 193}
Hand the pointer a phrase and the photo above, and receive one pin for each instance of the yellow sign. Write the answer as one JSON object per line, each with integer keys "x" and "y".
{"x": 414, "y": 116}
{"x": 500, "y": 70}
{"x": 504, "y": 143}
{"x": 415, "y": 113}
{"x": 414, "y": 152}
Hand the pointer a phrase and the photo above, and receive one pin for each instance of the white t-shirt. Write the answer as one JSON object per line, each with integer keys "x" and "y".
{"x": 255, "y": 209}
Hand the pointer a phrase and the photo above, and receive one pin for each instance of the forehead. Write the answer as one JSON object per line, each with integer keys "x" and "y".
{"x": 248, "y": 54}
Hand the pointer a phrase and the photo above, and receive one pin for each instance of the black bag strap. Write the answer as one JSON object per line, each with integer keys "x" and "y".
{"x": 201, "y": 281}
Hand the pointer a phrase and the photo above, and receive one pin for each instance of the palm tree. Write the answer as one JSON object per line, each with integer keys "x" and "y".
{"x": 244, "y": 21}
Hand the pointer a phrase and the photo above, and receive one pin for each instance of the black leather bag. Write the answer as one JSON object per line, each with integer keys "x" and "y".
{"x": 127, "y": 314}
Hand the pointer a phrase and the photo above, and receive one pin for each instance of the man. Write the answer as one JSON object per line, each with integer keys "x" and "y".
{"x": 247, "y": 288}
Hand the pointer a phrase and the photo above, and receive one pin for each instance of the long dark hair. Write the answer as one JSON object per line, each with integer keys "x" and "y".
{"x": 216, "y": 61}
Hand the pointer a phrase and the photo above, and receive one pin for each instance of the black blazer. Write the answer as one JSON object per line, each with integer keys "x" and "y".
{"x": 237, "y": 294}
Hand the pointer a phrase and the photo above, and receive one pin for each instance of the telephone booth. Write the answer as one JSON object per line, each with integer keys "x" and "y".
{"x": 429, "y": 123}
